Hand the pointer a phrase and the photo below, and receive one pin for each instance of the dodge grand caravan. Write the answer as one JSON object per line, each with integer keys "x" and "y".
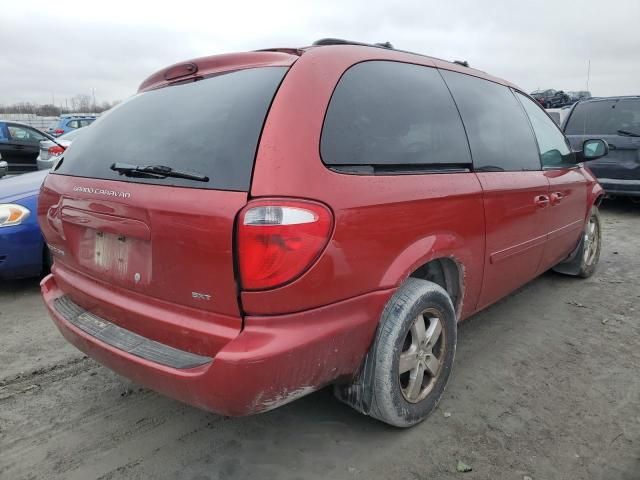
{"x": 252, "y": 227}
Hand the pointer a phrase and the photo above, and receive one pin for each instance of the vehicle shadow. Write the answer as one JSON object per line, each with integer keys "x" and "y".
{"x": 22, "y": 286}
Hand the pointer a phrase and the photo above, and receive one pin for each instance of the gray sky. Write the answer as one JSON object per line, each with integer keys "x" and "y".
{"x": 67, "y": 47}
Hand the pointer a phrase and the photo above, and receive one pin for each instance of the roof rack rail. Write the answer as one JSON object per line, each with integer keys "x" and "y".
{"x": 290, "y": 51}
{"x": 387, "y": 45}
{"x": 340, "y": 41}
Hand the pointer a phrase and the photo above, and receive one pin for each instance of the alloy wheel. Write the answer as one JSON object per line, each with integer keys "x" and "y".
{"x": 422, "y": 356}
{"x": 591, "y": 241}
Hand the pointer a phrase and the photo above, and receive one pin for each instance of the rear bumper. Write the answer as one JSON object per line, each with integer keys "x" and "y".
{"x": 615, "y": 186}
{"x": 273, "y": 360}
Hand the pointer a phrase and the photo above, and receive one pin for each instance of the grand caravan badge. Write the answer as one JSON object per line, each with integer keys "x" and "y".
{"x": 102, "y": 191}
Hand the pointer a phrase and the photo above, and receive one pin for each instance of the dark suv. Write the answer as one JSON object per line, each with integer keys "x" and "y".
{"x": 617, "y": 120}
{"x": 551, "y": 98}
{"x": 308, "y": 217}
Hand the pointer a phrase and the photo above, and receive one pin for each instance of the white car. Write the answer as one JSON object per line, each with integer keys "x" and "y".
{"x": 50, "y": 151}
{"x": 558, "y": 114}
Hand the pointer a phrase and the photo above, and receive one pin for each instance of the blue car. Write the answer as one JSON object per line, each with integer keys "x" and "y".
{"x": 67, "y": 123}
{"x": 23, "y": 252}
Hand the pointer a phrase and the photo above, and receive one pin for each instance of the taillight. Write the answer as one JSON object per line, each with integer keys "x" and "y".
{"x": 55, "y": 150}
{"x": 58, "y": 131}
{"x": 278, "y": 240}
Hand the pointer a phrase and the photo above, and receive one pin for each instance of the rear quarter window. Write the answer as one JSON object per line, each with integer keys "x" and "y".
{"x": 393, "y": 114}
{"x": 211, "y": 127}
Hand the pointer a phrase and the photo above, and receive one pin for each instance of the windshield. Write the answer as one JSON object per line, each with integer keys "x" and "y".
{"x": 605, "y": 117}
{"x": 210, "y": 127}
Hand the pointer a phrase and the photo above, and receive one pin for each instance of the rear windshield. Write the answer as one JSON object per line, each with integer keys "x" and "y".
{"x": 210, "y": 127}
{"x": 605, "y": 117}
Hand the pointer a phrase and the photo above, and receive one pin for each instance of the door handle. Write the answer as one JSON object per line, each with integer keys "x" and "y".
{"x": 541, "y": 201}
{"x": 556, "y": 198}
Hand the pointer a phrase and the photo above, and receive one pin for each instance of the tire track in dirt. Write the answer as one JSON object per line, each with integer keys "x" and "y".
{"x": 42, "y": 376}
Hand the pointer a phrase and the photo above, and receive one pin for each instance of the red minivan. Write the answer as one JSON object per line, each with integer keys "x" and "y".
{"x": 252, "y": 227}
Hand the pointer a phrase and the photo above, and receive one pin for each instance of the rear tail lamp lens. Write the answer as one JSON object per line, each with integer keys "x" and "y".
{"x": 55, "y": 150}
{"x": 58, "y": 131}
{"x": 279, "y": 240}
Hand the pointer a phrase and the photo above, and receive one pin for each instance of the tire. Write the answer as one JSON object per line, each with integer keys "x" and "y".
{"x": 584, "y": 259}
{"x": 398, "y": 398}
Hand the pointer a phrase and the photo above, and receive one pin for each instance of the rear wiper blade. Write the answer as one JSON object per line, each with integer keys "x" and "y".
{"x": 156, "y": 171}
{"x": 627, "y": 133}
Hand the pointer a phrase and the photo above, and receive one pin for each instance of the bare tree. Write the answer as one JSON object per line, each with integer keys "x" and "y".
{"x": 78, "y": 104}
{"x": 81, "y": 103}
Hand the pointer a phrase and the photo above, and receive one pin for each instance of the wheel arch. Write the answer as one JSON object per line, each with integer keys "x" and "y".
{"x": 436, "y": 258}
{"x": 596, "y": 195}
{"x": 446, "y": 272}
{"x": 598, "y": 200}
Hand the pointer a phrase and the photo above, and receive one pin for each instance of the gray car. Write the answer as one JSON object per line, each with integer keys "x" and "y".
{"x": 50, "y": 151}
{"x": 616, "y": 120}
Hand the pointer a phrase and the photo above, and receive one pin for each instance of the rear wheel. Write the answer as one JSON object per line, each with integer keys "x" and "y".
{"x": 413, "y": 353}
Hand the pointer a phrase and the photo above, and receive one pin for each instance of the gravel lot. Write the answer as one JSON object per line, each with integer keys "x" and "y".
{"x": 546, "y": 385}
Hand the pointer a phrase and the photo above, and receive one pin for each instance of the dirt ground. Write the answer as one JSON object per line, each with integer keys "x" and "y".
{"x": 546, "y": 385}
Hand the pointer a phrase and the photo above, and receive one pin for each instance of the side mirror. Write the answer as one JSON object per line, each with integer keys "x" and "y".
{"x": 593, "y": 149}
{"x": 4, "y": 168}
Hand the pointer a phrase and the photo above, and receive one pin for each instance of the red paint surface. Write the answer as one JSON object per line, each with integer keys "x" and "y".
{"x": 501, "y": 229}
{"x": 207, "y": 66}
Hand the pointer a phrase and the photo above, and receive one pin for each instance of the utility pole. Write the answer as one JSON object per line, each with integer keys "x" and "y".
{"x": 93, "y": 92}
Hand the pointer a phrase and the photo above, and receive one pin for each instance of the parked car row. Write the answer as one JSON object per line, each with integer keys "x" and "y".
{"x": 20, "y": 146}
{"x": 23, "y": 252}
{"x": 25, "y": 148}
{"x": 68, "y": 122}
{"x": 558, "y": 98}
